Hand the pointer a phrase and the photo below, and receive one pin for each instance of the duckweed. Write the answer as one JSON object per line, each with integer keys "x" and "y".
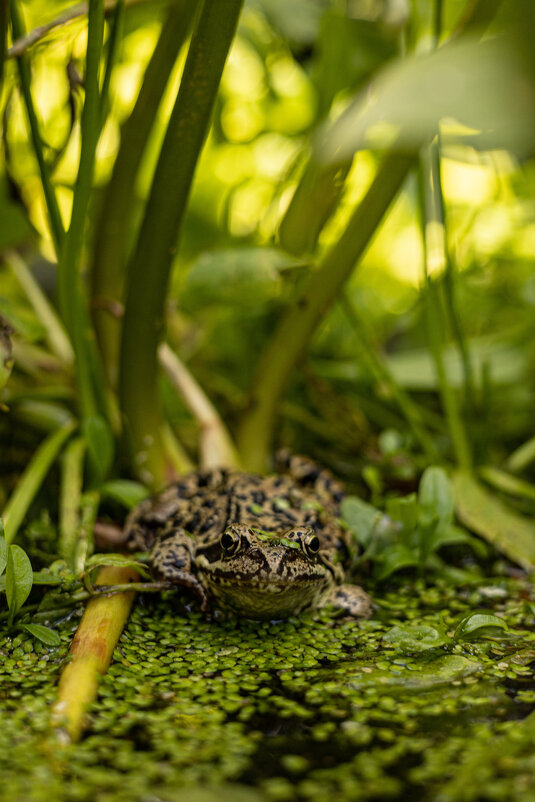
{"x": 303, "y": 709}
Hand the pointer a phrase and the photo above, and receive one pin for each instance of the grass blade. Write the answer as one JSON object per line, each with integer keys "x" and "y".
{"x": 56, "y": 226}
{"x": 32, "y": 478}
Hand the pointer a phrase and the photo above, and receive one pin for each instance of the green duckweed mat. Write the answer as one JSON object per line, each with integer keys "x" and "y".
{"x": 308, "y": 709}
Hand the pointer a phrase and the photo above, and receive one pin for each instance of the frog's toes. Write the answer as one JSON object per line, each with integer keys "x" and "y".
{"x": 351, "y": 600}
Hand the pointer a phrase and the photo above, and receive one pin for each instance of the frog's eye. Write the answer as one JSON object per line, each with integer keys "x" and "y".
{"x": 311, "y": 544}
{"x": 230, "y": 542}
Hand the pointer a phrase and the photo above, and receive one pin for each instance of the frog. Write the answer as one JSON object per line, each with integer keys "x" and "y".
{"x": 260, "y": 547}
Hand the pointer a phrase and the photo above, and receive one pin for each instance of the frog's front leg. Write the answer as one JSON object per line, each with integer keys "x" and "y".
{"x": 351, "y": 600}
{"x": 173, "y": 560}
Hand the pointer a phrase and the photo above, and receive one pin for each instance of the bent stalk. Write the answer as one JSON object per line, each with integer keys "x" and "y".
{"x": 302, "y": 319}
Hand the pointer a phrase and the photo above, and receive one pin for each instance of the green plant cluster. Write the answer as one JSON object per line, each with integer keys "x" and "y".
{"x": 412, "y": 528}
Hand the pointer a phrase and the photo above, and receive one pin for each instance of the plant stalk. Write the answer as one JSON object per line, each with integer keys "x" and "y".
{"x": 301, "y": 320}
{"x": 216, "y": 446}
{"x": 118, "y": 205}
{"x": 91, "y": 652}
{"x": 56, "y": 226}
{"x": 150, "y": 266}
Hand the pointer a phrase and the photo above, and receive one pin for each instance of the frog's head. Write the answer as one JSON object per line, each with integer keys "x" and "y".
{"x": 265, "y": 574}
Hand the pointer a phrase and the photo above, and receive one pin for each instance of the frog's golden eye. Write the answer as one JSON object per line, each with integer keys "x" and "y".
{"x": 311, "y": 544}
{"x": 230, "y": 541}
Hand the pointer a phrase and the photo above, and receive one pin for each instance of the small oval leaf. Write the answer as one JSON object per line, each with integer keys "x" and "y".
{"x": 479, "y": 625}
{"x": 416, "y": 638}
{"x": 126, "y": 492}
{"x": 46, "y": 635}
{"x": 19, "y": 579}
{"x": 435, "y": 497}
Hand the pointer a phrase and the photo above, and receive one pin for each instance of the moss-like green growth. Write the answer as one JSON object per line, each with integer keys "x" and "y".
{"x": 307, "y": 708}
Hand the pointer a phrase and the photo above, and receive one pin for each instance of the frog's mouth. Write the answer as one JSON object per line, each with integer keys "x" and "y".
{"x": 269, "y": 599}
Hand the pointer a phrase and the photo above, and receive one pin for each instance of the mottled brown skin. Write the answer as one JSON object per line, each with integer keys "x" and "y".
{"x": 263, "y": 547}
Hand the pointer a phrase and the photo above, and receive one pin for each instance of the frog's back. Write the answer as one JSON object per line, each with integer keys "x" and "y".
{"x": 204, "y": 502}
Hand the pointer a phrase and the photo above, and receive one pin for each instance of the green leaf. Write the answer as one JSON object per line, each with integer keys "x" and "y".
{"x": 362, "y": 518}
{"x": 240, "y": 277}
{"x": 348, "y": 51}
{"x": 416, "y": 638}
{"x": 404, "y": 510}
{"x": 126, "y": 492}
{"x": 46, "y": 635}
{"x": 44, "y": 578}
{"x": 3, "y": 550}
{"x": 482, "y": 85}
{"x": 486, "y": 515}
{"x": 115, "y": 559}
{"x": 99, "y": 445}
{"x": 454, "y": 535}
{"x": 19, "y": 579}
{"x": 479, "y": 625}
{"x": 435, "y": 497}
{"x": 394, "y": 559}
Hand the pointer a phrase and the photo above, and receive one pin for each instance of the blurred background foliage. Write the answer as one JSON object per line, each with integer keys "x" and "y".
{"x": 302, "y": 77}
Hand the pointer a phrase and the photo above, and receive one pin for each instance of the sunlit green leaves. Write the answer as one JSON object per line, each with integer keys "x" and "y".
{"x": 482, "y": 90}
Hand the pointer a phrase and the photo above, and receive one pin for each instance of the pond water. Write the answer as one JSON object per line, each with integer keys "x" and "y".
{"x": 305, "y": 709}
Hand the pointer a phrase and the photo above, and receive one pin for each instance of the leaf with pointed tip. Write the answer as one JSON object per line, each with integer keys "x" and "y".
{"x": 19, "y": 579}
{"x": 46, "y": 635}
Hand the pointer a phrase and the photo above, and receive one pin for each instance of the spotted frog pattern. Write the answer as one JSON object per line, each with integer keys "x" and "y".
{"x": 262, "y": 547}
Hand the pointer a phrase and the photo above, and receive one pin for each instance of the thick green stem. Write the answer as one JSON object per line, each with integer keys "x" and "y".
{"x": 313, "y": 202}
{"x": 56, "y": 226}
{"x": 149, "y": 268}
{"x": 301, "y": 320}
{"x": 114, "y": 222}
{"x": 115, "y": 37}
